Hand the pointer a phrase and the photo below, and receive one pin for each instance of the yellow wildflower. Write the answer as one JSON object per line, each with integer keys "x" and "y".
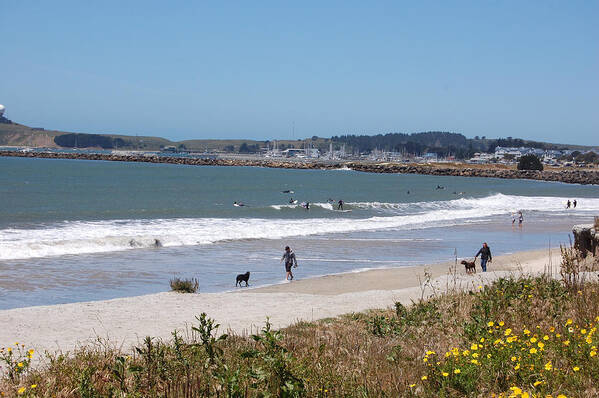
{"x": 545, "y": 337}
{"x": 517, "y": 366}
{"x": 507, "y": 332}
{"x": 593, "y": 353}
{"x": 533, "y": 350}
{"x": 548, "y": 366}
{"x": 457, "y": 371}
{"x": 526, "y": 332}
{"x": 561, "y": 396}
{"x": 516, "y": 390}
{"x": 541, "y": 345}
{"x": 34, "y": 386}
{"x": 423, "y": 378}
{"x": 474, "y": 346}
{"x": 490, "y": 323}
{"x": 576, "y": 368}
{"x": 501, "y": 323}
{"x": 568, "y": 322}
{"x": 20, "y": 364}
{"x": 514, "y": 359}
{"x": 412, "y": 385}
{"x": 536, "y": 383}
{"x": 21, "y": 390}
{"x": 445, "y": 374}
{"x": 583, "y": 331}
{"x": 566, "y": 342}
{"x": 533, "y": 340}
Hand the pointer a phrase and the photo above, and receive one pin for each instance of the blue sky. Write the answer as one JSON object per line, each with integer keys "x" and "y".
{"x": 186, "y": 70}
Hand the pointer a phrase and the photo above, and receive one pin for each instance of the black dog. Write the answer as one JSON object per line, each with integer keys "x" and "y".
{"x": 243, "y": 278}
{"x": 470, "y": 266}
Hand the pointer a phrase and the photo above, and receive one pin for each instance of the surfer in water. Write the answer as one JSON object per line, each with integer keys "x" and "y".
{"x": 306, "y": 205}
{"x": 340, "y": 204}
{"x": 291, "y": 201}
{"x": 238, "y": 204}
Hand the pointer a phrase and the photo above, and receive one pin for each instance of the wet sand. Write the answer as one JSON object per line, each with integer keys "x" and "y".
{"x": 126, "y": 321}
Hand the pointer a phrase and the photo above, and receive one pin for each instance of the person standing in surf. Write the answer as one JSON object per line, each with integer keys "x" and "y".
{"x": 520, "y": 218}
{"x": 290, "y": 261}
{"x": 340, "y": 205}
{"x": 485, "y": 255}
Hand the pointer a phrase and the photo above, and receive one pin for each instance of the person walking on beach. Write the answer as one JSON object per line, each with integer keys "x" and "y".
{"x": 574, "y": 203}
{"x": 290, "y": 261}
{"x": 485, "y": 255}
{"x": 568, "y": 204}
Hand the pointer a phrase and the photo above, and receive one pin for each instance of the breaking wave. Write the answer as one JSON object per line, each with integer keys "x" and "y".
{"x": 83, "y": 237}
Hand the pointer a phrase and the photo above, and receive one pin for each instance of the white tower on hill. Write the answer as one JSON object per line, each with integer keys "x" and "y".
{"x": 2, "y": 109}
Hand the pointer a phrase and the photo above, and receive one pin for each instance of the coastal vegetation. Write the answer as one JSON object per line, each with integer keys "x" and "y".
{"x": 520, "y": 336}
{"x": 530, "y": 162}
{"x": 75, "y": 140}
{"x": 184, "y": 285}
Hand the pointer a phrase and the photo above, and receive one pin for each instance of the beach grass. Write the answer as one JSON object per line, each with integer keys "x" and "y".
{"x": 184, "y": 285}
{"x": 516, "y": 337}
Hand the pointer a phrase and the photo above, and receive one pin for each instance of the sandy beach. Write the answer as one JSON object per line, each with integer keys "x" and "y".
{"x": 124, "y": 322}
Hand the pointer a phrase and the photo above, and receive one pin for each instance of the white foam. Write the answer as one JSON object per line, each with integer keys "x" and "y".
{"x": 80, "y": 237}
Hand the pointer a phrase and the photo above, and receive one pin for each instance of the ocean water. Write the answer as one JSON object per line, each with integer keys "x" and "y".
{"x": 73, "y": 230}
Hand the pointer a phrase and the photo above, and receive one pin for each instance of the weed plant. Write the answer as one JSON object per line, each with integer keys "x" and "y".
{"x": 184, "y": 285}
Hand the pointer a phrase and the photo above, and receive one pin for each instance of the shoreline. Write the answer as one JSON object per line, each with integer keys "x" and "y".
{"x": 124, "y": 322}
{"x": 570, "y": 176}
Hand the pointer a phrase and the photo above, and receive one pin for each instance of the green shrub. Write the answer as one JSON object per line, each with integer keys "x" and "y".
{"x": 184, "y": 285}
{"x": 530, "y": 162}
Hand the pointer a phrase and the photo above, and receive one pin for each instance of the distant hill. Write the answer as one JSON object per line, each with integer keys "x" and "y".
{"x": 442, "y": 143}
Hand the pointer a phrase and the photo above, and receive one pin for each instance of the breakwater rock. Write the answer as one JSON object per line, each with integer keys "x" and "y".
{"x": 566, "y": 175}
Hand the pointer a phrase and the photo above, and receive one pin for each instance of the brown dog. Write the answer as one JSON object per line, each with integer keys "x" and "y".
{"x": 470, "y": 266}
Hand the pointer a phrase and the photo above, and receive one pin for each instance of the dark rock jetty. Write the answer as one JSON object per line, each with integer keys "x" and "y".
{"x": 567, "y": 175}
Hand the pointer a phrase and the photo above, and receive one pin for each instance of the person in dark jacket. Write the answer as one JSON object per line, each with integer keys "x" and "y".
{"x": 290, "y": 261}
{"x": 485, "y": 255}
